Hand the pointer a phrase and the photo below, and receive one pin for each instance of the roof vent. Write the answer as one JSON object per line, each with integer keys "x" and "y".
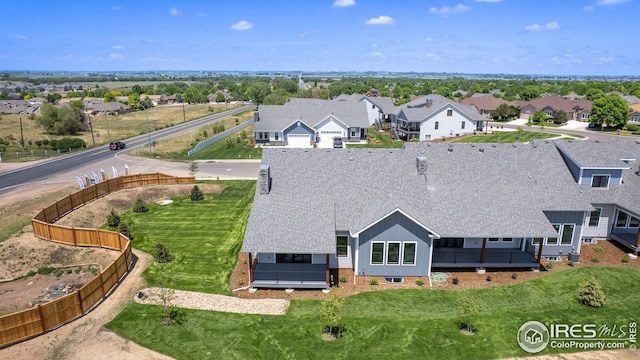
{"x": 494, "y": 145}
{"x": 481, "y": 150}
{"x": 450, "y": 149}
{"x": 637, "y": 141}
{"x": 350, "y": 158}
{"x": 421, "y": 164}
{"x": 264, "y": 179}
{"x": 473, "y": 144}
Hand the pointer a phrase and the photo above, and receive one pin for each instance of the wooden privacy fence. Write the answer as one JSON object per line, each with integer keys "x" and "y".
{"x": 42, "y": 318}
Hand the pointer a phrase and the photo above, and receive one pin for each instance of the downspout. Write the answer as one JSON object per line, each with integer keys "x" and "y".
{"x": 430, "y": 259}
{"x": 357, "y": 257}
{"x": 249, "y": 268}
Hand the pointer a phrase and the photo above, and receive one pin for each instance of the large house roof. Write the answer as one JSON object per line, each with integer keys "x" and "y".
{"x": 469, "y": 190}
{"x": 311, "y": 112}
{"x": 383, "y": 102}
{"x": 425, "y": 106}
{"x": 483, "y": 101}
{"x": 556, "y": 103}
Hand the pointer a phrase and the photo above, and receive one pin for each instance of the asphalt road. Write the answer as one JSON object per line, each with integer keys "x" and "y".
{"x": 101, "y": 157}
{"x": 590, "y": 134}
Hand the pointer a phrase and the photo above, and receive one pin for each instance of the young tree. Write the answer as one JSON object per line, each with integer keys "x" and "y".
{"x": 139, "y": 206}
{"x": 196, "y": 194}
{"x": 113, "y": 220}
{"x": 560, "y": 117}
{"x": 162, "y": 253}
{"x": 134, "y": 101}
{"x": 193, "y": 168}
{"x": 124, "y": 230}
{"x": 332, "y": 312}
{"x": 109, "y": 96}
{"x": 538, "y": 117}
{"x": 220, "y": 97}
{"x": 591, "y": 294}
{"x": 469, "y": 307}
{"x": 610, "y": 109}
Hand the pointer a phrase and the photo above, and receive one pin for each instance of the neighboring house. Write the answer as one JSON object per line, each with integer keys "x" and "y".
{"x": 19, "y": 107}
{"x": 433, "y": 117}
{"x": 310, "y": 122}
{"x": 407, "y": 212}
{"x": 380, "y": 109}
{"x": 631, "y": 99}
{"x": 112, "y": 107}
{"x": 634, "y": 114}
{"x": 212, "y": 97}
{"x": 164, "y": 99}
{"x": 485, "y": 103}
{"x": 576, "y": 109}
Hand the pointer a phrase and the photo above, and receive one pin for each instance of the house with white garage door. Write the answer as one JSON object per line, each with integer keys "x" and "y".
{"x": 305, "y": 123}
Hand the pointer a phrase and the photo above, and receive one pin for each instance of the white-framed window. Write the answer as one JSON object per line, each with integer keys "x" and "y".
{"x": 260, "y": 135}
{"x": 507, "y": 240}
{"x": 353, "y": 133}
{"x": 493, "y": 239}
{"x": 634, "y": 222}
{"x": 377, "y": 253}
{"x": 276, "y": 136}
{"x": 393, "y": 253}
{"x": 566, "y": 238}
{"x": 409, "y": 253}
{"x": 600, "y": 181}
{"x": 462, "y": 125}
{"x": 553, "y": 240}
{"x": 594, "y": 217}
{"x": 436, "y": 125}
{"x": 342, "y": 243}
{"x": 536, "y": 241}
{"x": 621, "y": 219}
{"x": 449, "y": 112}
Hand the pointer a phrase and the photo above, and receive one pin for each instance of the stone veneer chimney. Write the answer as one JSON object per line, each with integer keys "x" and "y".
{"x": 421, "y": 164}
{"x": 264, "y": 179}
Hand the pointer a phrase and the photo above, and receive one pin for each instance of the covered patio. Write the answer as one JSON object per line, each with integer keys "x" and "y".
{"x": 444, "y": 257}
{"x": 627, "y": 237}
{"x": 289, "y": 275}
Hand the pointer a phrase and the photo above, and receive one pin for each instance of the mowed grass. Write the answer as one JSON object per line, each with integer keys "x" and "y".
{"x": 396, "y": 324}
{"x": 378, "y": 140}
{"x": 237, "y": 150}
{"x": 204, "y": 236}
{"x": 508, "y": 137}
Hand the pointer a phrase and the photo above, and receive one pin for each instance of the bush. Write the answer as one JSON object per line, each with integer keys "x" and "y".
{"x": 625, "y": 259}
{"x": 549, "y": 266}
{"x": 591, "y": 294}
{"x": 489, "y": 278}
{"x": 598, "y": 249}
{"x": 514, "y": 276}
{"x": 632, "y": 127}
{"x": 595, "y": 259}
{"x": 46, "y": 270}
{"x": 455, "y": 281}
{"x": 419, "y": 282}
{"x": 373, "y": 282}
{"x": 196, "y": 194}
{"x": 113, "y": 220}
{"x": 343, "y": 278}
{"x": 139, "y": 206}
{"x": 58, "y": 272}
{"x": 162, "y": 254}
{"x": 124, "y": 230}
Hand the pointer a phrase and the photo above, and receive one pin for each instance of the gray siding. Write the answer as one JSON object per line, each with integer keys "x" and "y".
{"x": 616, "y": 176}
{"x": 395, "y": 227}
{"x": 606, "y": 221}
{"x": 573, "y": 168}
{"x": 565, "y": 217}
{"x": 302, "y": 129}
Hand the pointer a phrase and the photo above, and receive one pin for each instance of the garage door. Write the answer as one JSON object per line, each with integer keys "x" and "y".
{"x": 326, "y": 138}
{"x": 299, "y": 140}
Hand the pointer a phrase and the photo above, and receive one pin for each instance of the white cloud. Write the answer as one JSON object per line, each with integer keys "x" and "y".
{"x": 377, "y": 54}
{"x": 18, "y": 36}
{"x": 488, "y": 1}
{"x": 174, "y": 11}
{"x": 611, "y": 2}
{"x": 150, "y": 58}
{"x": 343, "y": 3}
{"x": 116, "y": 56}
{"x": 605, "y": 59}
{"x": 587, "y": 8}
{"x": 116, "y": 8}
{"x": 325, "y": 52}
{"x": 446, "y": 10}
{"x": 117, "y": 47}
{"x": 548, "y": 26}
{"x": 201, "y": 14}
{"x": 380, "y": 20}
{"x": 374, "y": 45}
{"x": 272, "y": 50}
{"x": 242, "y": 25}
{"x": 428, "y": 39}
{"x": 433, "y": 56}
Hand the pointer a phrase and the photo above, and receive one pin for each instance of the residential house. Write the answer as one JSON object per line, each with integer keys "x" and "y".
{"x": 631, "y": 99}
{"x": 167, "y": 99}
{"x": 434, "y": 117}
{"x": 485, "y": 103}
{"x": 19, "y": 107}
{"x": 310, "y": 122}
{"x": 380, "y": 109}
{"x": 429, "y": 206}
{"x": 576, "y": 109}
{"x": 634, "y": 114}
{"x": 112, "y": 107}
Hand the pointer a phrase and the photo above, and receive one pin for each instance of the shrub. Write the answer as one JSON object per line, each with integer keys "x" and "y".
{"x": 632, "y": 127}
{"x": 58, "y": 272}
{"x": 455, "y": 281}
{"x": 598, "y": 249}
{"x": 162, "y": 254}
{"x": 591, "y": 294}
{"x": 196, "y": 194}
{"x": 373, "y": 282}
{"x": 549, "y": 266}
{"x": 139, "y": 206}
{"x": 570, "y": 263}
{"x": 114, "y": 219}
{"x": 31, "y": 273}
{"x": 343, "y": 278}
{"x": 625, "y": 259}
{"x": 124, "y": 230}
{"x": 46, "y": 270}
{"x": 419, "y": 282}
{"x": 489, "y": 278}
{"x": 514, "y": 276}
{"x": 595, "y": 259}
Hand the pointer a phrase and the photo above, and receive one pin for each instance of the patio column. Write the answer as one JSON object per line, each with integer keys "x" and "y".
{"x": 484, "y": 248}
{"x": 540, "y": 251}
{"x": 250, "y": 268}
{"x": 637, "y": 242}
{"x": 327, "y": 277}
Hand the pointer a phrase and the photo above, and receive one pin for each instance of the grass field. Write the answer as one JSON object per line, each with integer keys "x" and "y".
{"x": 396, "y": 324}
{"x": 378, "y": 140}
{"x": 508, "y": 137}
{"x": 204, "y": 236}
{"x": 106, "y": 128}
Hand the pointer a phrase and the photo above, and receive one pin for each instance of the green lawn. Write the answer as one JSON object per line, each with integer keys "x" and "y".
{"x": 233, "y": 150}
{"x": 396, "y": 324}
{"x": 379, "y": 141}
{"x": 204, "y": 236}
{"x": 508, "y": 137}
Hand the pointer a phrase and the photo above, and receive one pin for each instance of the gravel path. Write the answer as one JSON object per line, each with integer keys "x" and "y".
{"x": 214, "y": 302}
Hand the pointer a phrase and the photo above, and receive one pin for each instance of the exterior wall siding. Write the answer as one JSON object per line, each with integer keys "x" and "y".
{"x": 476, "y": 243}
{"x": 319, "y": 258}
{"x": 573, "y": 167}
{"x": 615, "y": 179}
{"x": 448, "y": 126}
{"x": 604, "y": 225}
{"x": 373, "y": 112}
{"x": 343, "y": 262}
{"x": 267, "y": 258}
{"x": 565, "y": 217}
{"x": 395, "y": 227}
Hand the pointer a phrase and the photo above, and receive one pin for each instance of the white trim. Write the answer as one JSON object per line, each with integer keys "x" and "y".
{"x": 601, "y": 187}
{"x": 384, "y": 254}
{"x": 415, "y": 253}
{"x": 389, "y": 214}
{"x": 588, "y": 221}
{"x": 573, "y": 232}
{"x": 399, "y": 253}
{"x": 546, "y": 239}
{"x": 430, "y": 262}
{"x": 356, "y": 245}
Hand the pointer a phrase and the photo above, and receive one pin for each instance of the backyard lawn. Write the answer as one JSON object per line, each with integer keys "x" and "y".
{"x": 204, "y": 236}
{"x": 395, "y": 324}
{"x": 508, "y": 137}
{"x": 378, "y": 140}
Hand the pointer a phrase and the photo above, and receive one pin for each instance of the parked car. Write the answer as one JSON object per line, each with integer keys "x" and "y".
{"x": 116, "y": 145}
{"x": 337, "y": 143}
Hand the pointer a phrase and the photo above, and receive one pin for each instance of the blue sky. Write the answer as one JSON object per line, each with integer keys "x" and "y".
{"x": 577, "y": 37}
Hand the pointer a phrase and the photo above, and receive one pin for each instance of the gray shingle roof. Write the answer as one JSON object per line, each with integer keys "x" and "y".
{"x": 599, "y": 154}
{"x": 311, "y": 112}
{"x": 423, "y": 107}
{"x": 471, "y": 191}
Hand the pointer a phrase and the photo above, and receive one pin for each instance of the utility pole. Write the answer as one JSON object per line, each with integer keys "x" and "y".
{"x": 184, "y": 115}
{"x": 91, "y": 127}
{"x": 21, "y": 134}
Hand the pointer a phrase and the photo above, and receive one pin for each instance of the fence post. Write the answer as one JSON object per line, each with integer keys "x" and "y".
{"x": 42, "y": 323}
{"x": 73, "y": 235}
{"x": 80, "y": 302}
